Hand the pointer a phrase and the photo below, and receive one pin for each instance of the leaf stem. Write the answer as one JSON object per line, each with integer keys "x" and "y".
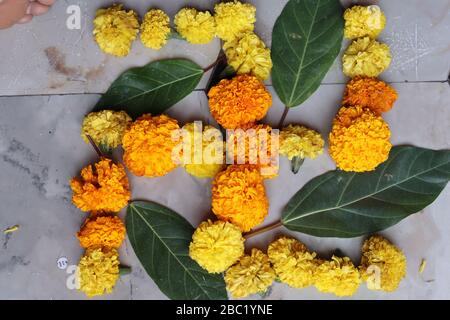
{"x": 220, "y": 58}
{"x": 96, "y": 148}
{"x": 283, "y": 117}
{"x": 272, "y": 226}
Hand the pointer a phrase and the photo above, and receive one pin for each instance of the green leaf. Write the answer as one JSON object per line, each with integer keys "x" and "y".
{"x": 306, "y": 39}
{"x": 152, "y": 88}
{"x": 160, "y": 238}
{"x": 344, "y": 204}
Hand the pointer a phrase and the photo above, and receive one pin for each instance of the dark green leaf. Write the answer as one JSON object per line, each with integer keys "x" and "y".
{"x": 306, "y": 40}
{"x": 345, "y": 204}
{"x": 152, "y": 88}
{"x": 160, "y": 238}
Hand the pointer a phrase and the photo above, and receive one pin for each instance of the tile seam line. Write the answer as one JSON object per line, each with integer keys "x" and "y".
{"x": 203, "y": 90}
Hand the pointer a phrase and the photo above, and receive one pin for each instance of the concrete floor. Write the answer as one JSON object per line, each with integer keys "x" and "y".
{"x": 40, "y": 148}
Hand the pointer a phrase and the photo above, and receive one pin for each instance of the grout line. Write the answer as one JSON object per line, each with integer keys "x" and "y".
{"x": 202, "y": 90}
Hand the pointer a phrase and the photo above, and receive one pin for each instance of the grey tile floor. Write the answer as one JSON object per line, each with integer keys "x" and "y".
{"x": 40, "y": 148}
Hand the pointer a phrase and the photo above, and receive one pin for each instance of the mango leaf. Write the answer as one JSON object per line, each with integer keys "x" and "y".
{"x": 306, "y": 40}
{"x": 344, "y": 204}
{"x": 160, "y": 238}
{"x": 152, "y": 88}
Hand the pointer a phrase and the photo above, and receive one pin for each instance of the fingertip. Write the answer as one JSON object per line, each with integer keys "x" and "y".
{"x": 38, "y": 9}
{"x": 25, "y": 19}
{"x": 47, "y": 2}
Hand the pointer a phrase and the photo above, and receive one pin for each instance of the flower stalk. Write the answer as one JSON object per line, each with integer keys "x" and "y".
{"x": 270, "y": 227}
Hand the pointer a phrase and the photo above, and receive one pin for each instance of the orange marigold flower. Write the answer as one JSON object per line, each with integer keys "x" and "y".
{"x": 148, "y": 146}
{"x": 103, "y": 189}
{"x": 100, "y": 231}
{"x": 255, "y": 146}
{"x": 239, "y": 196}
{"x": 370, "y": 93}
{"x": 359, "y": 140}
{"x": 238, "y": 102}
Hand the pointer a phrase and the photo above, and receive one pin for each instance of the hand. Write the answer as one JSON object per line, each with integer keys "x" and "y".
{"x": 21, "y": 11}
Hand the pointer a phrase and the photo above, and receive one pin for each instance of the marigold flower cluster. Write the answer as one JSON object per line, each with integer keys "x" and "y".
{"x": 338, "y": 276}
{"x": 362, "y": 21}
{"x": 115, "y": 30}
{"x": 148, "y": 145}
{"x": 239, "y": 102}
{"x": 196, "y": 27}
{"x": 248, "y": 54}
{"x": 255, "y": 146}
{"x": 104, "y": 189}
{"x": 382, "y": 259}
{"x": 359, "y": 140}
{"x": 245, "y": 51}
{"x": 366, "y": 57}
{"x": 216, "y": 245}
{"x": 369, "y": 93}
{"x": 239, "y": 196}
{"x": 102, "y": 231}
{"x": 293, "y": 263}
{"x": 234, "y": 19}
{"x": 101, "y": 191}
{"x": 299, "y": 268}
{"x": 106, "y": 128}
{"x": 155, "y": 29}
{"x": 299, "y": 141}
{"x": 211, "y": 155}
{"x": 98, "y": 271}
{"x": 252, "y": 274}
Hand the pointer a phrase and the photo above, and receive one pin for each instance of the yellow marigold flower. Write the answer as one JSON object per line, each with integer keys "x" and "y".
{"x": 359, "y": 140}
{"x": 248, "y": 55}
{"x": 115, "y": 30}
{"x": 148, "y": 145}
{"x": 98, "y": 271}
{"x": 211, "y": 163}
{"x": 104, "y": 189}
{"x": 361, "y": 21}
{"x": 252, "y": 274}
{"x": 106, "y": 127}
{"x": 239, "y": 102}
{"x": 155, "y": 29}
{"x": 239, "y": 196}
{"x": 293, "y": 263}
{"x": 101, "y": 231}
{"x": 366, "y": 57}
{"x": 196, "y": 27}
{"x": 255, "y": 146}
{"x": 233, "y": 19}
{"x": 299, "y": 141}
{"x": 216, "y": 245}
{"x": 370, "y": 93}
{"x": 379, "y": 253}
{"x": 338, "y": 276}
